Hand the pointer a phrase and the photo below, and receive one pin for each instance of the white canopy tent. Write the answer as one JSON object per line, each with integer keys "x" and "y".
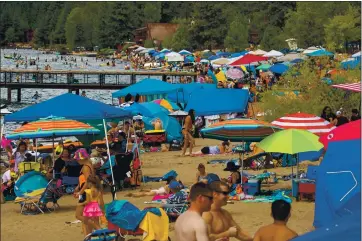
{"x": 273, "y": 53}
{"x": 258, "y": 52}
{"x": 174, "y": 57}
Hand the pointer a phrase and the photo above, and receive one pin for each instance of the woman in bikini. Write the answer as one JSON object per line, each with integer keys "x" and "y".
{"x": 201, "y": 173}
{"x": 87, "y": 171}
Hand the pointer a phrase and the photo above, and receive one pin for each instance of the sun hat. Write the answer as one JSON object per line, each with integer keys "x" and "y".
{"x": 81, "y": 154}
{"x": 230, "y": 166}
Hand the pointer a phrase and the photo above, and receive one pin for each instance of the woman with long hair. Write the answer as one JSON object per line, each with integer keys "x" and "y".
{"x": 20, "y": 154}
{"x": 187, "y": 131}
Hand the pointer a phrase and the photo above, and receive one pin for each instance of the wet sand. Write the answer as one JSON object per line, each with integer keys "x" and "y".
{"x": 250, "y": 216}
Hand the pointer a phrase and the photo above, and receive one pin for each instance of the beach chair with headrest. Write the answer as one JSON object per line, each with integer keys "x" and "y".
{"x": 25, "y": 167}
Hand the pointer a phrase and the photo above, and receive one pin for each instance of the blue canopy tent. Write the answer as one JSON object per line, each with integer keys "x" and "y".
{"x": 339, "y": 182}
{"x": 72, "y": 107}
{"x": 154, "y": 88}
{"x": 348, "y": 228}
{"x": 69, "y": 106}
{"x": 278, "y": 68}
{"x": 138, "y": 109}
{"x": 218, "y": 101}
{"x": 183, "y": 95}
{"x": 154, "y": 108}
{"x": 159, "y": 56}
{"x": 320, "y": 53}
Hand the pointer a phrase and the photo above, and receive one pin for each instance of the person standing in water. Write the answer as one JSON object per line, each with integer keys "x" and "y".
{"x": 187, "y": 132}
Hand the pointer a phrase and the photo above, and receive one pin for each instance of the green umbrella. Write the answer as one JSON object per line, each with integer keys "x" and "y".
{"x": 291, "y": 141}
{"x": 264, "y": 67}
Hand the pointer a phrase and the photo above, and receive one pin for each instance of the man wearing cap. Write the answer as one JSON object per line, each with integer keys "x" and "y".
{"x": 221, "y": 225}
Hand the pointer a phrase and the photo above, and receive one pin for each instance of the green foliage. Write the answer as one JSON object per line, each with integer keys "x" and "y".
{"x": 237, "y": 36}
{"x": 314, "y": 93}
{"x": 181, "y": 39}
{"x": 343, "y": 28}
{"x": 167, "y": 42}
{"x": 10, "y": 35}
{"x": 152, "y": 12}
{"x": 273, "y": 38}
{"x": 148, "y": 43}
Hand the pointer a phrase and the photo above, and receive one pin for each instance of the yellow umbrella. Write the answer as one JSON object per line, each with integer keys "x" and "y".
{"x": 220, "y": 76}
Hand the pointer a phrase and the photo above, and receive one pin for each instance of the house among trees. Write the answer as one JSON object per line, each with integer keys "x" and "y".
{"x": 156, "y": 32}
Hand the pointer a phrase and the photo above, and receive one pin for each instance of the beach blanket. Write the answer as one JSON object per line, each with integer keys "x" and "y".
{"x": 278, "y": 195}
{"x": 171, "y": 173}
{"x": 222, "y": 161}
{"x": 127, "y": 216}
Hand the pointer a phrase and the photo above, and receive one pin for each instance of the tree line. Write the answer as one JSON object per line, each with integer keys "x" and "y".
{"x": 201, "y": 24}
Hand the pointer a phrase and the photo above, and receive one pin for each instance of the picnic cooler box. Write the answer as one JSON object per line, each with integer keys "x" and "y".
{"x": 154, "y": 136}
{"x": 252, "y": 187}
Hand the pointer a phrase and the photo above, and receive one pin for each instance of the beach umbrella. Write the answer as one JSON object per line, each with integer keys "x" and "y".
{"x": 278, "y": 68}
{"x": 346, "y": 132}
{"x": 355, "y": 87}
{"x": 320, "y": 53}
{"x": 234, "y": 73}
{"x": 290, "y": 57}
{"x": 295, "y": 61}
{"x": 291, "y": 141}
{"x": 239, "y": 130}
{"x": 263, "y": 67}
{"x": 247, "y": 59}
{"x": 52, "y": 127}
{"x": 179, "y": 113}
{"x": 358, "y": 54}
{"x": 220, "y": 61}
{"x": 184, "y": 52}
{"x": 165, "y": 51}
{"x": 169, "y": 105}
{"x": 259, "y": 52}
{"x": 303, "y": 121}
{"x": 273, "y": 53}
{"x": 214, "y": 57}
{"x": 137, "y": 109}
{"x": 311, "y": 50}
{"x": 204, "y": 61}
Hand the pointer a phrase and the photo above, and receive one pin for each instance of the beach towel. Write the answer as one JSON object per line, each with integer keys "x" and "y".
{"x": 155, "y": 227}
{"x": 277, "y": 195}
{"x": 127, "y": 216}
{"x": 171, "y": 173}
{"x": 222, "y": 161}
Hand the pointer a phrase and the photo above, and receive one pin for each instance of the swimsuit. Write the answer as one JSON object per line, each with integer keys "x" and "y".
{"x": 82, "y": 181}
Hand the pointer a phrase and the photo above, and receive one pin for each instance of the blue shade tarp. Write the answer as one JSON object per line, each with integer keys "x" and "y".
{"x": 348, "y": 228}
{"x": 30, "y": 182}
{"x": 127, "y": 216}
{"x": 320, "y": 53}
{"x": 183, "y": 95}
{"x": 278, "y": 68}
{"x": 69, "y": 106}
{"x": 339, "y": 181}
{"x": 218, "y": 101}
{"x": 146, "y": 87}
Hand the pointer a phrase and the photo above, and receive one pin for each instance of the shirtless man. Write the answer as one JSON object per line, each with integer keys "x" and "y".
{"x": 221, "y": 224}
{"x": 190, "y": 226}
{"x": 277, "y": 231}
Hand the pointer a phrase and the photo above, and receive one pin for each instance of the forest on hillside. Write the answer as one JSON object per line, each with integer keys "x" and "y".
{"x": 202, "y": 24}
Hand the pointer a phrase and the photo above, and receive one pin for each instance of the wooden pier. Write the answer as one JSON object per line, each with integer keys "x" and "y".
{"x": 74, "y": 80}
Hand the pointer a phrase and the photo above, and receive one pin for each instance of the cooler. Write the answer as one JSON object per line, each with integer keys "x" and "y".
{"x": 154, "y": 136}
{"x": 252, "y": 187}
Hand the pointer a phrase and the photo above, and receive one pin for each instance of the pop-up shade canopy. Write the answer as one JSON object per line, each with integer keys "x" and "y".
{"x": 69, "y": 106}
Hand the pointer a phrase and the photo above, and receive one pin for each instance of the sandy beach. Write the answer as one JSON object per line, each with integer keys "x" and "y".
{"x": 250, "y": 216}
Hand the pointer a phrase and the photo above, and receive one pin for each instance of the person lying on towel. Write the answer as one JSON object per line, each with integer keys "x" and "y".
{"x": 162, "y": 191}
{"x": 224, "y": 147}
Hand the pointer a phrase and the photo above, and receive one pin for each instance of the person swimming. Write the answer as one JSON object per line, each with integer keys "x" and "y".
{"x": 36, "y": 95}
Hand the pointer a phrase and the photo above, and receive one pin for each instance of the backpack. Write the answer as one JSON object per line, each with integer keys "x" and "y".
{"x": 175, "y": 145}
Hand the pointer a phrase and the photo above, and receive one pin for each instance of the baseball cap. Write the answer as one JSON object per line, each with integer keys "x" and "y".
{"x": 174, "y": 185}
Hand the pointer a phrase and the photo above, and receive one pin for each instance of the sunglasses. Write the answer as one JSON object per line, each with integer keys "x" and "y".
{"x": 224, "y": 193}
{"x": 210, "y": 198}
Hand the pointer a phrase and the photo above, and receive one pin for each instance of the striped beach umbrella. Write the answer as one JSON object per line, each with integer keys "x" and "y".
{"x": 52, "y": 127}
{"x": 309, "y": 122}
{"x": 239, "y": 130}
{"x": 355, "y": 87}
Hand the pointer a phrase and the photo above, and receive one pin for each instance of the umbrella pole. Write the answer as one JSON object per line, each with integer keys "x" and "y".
{"x": 110, "y": 161}
{"x": 242, "y": 164}
{"x": 53, "y": 158}
{"x": 36, "y": 149}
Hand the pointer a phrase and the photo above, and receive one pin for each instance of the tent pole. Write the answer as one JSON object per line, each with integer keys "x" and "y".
{"x": 109, "y": 159}
{"x": 53, "y": 159}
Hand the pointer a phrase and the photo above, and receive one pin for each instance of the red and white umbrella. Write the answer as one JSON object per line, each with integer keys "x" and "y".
{"x": 356, "y": 87}
{"x": 312, "y": 123}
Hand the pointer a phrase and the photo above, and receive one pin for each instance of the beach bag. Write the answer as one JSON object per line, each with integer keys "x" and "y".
{"x": 175, "y": 145}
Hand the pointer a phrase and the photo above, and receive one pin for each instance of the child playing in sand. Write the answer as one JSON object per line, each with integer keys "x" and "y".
{"x": 278, "y": 231}
{"x": 92, "y": 210}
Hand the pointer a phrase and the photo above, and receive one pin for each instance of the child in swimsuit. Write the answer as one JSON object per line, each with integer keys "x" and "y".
{"x": 94, "y": 201}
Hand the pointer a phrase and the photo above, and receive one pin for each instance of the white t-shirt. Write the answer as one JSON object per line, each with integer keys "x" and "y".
{"x": 191, "y": 227}
{"x": 6, "y": 176}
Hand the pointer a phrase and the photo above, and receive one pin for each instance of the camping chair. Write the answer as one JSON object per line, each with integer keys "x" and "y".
{"x": 25, "y": 167}
{"x": 36, "y": 201}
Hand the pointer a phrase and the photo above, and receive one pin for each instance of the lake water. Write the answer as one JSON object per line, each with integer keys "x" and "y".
{"x": 45, "y": 94}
